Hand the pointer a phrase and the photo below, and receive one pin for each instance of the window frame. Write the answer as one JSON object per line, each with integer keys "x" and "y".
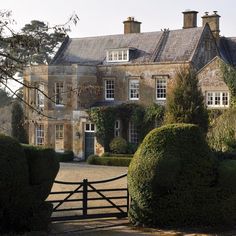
{"x": 59, "y": 133}
{"x": 132, "y": 90}
{"x": 39, "y": 135}
{"x": 133, "y": 133}
{"x": 117, "y": 128}
{"x": 59, "y": 98}
{"x": 213, "y": 96}
{"x": 40, "y": 96}
{"x": 106, "y": 89}
{"x": 161, "y": 88}
{"x": 117, "y": 55}
{"x": 89, "y": 127}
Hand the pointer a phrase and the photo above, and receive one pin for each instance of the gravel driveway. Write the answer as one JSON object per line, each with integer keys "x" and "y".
{"x": 77, "y": 171}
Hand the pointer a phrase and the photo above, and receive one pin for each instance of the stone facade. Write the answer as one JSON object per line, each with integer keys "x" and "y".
{"x": 76, "y": 79}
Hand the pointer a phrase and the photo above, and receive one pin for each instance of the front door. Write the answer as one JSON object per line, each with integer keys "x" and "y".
{"x": 89, "y": 139}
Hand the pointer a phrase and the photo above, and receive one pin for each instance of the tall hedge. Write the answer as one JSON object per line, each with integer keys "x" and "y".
{"x": 26, "y": 178}
{"x": 171, "y": 179}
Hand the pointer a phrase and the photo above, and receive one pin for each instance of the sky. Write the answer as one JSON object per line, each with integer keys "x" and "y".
{"x": 105, "y": 17}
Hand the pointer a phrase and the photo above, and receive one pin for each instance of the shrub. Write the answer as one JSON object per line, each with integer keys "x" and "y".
{"x": 221, "y": 136}
{"x": 170, "y": 179}
{"x": 91, "y": 159}
{"x": 25, "y": 177}
{"x": 43, "y": 167}
{"x": 109, "y": 161}
{"x": 185, "y": 102}
{"x": 66, "y": 156}
{"x": 118, "y": 145}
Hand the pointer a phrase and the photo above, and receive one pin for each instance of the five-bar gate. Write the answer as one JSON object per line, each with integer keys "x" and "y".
{"x": 90, "y": 199}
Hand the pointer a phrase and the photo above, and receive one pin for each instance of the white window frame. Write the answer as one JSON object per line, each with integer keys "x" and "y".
{"x": 39, "y": 134}
{"x": 212, "y": 96}
{"x": 109, "y": 85}
{"x": 117, "y": 55}
{"x": 40, "y": 96}
{"x": 89, "y": 127}
{"x": 161, "y": 87}
{"x": 133, "y": 133}
{"x": 59, "y": 131}
{"x": 117, "y": 130}
{"x": 133, "y": 89}
{"x": 59, "y": 89}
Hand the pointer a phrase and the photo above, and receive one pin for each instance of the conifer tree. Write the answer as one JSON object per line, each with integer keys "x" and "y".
{"x": 17, "y": 122}
{"x": 185, "y": 102}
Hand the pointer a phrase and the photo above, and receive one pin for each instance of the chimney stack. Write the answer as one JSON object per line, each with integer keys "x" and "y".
{"x": 214, "y": 23}
{"x": 131, "y": 26}
{"x": 190, "y": 19}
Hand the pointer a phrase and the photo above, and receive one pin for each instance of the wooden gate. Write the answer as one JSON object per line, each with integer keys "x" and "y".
{"x": 87, "y": 200}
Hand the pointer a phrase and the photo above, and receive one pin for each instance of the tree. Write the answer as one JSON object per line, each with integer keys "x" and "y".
{"x": 17, "y": 123}
{"x": 5, "y": 98}
{"x": 47, "y": 40}
{"x": 36, "y": 43}
{"x": 185, "y": 102}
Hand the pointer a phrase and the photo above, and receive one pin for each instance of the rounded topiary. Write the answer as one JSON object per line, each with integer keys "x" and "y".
{"x": 118, "y": 145}
{"x": 14, "y": 174}
{"x": 170, "y": 176}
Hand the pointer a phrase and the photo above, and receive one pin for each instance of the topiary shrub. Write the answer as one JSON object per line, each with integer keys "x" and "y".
{"x": 118, "y": 145}
{"x": 66, "y": 156}
{"x": 170, "y": 179}
{"x": 43, "y": 168}
{"x": 25, "y": 177}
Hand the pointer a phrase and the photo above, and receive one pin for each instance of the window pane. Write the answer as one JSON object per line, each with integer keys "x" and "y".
{"x": 109, "y": 89}
{"x": 59, "y": 93}
{"x": 225, "y": 99}
{"x": 209, "y": 98}
{"x": 40, "y": 134}
{"x": 133, "y": 133}
{"x": 134, "y": 89}
{"x": 161, "y": 84}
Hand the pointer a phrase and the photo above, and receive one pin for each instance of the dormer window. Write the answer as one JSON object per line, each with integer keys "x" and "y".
{"x": 117, "y": 55}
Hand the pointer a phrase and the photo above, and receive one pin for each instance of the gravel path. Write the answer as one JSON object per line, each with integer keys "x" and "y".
{"x": 78, "y": 171}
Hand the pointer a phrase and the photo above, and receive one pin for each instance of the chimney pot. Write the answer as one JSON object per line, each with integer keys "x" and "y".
{"x": 131, "y": 25}
{"x": 190, "y": 19}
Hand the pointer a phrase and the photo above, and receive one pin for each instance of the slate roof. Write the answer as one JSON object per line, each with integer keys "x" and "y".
{"x": 228, "y": 49}
{"x": 160, "y": 46}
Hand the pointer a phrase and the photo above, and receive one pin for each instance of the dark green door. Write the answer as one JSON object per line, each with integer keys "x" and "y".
{"x": 89, "y": 144}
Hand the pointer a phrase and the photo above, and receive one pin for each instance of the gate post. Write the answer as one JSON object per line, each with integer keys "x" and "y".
{"x": 85, "y": 197}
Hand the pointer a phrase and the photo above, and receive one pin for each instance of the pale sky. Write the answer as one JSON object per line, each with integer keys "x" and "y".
{"x": 105, "y": 17}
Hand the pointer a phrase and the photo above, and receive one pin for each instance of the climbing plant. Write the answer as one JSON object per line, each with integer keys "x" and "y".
{"x": 144, "y": 119}
{"x": 229, "y": 76}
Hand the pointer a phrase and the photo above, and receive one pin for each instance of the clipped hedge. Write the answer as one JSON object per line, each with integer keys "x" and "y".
{"x": 43, "y": 167}
{"x": 66, "y": 156}
{"x": 26, "y": 174}
{"x": 109, "y": 161}
{"x": 171, "y": 179}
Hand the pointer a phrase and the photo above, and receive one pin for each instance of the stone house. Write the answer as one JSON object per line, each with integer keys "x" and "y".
{"x": 133, "y": 67}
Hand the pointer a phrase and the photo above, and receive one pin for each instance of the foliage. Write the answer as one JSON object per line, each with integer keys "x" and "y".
{"x": 118, "y": 145}
{"x": 66, "y": 156}
{"x": 25, "y": 177}
{"x": 104, "y": 118}
{"x": 47, "y": 40}
{"x": 35, "y": 43}
{"x": 185, "y": 102}
{"x": 221, "y": 135}
{"x": 5, "y": 98}
{"x": 171, "y": 178}
{"x": 17, "y": 123}
{"x": 109, "y": 161}
{"x": 144, "y": 120}
{"x": 229, "y": 75}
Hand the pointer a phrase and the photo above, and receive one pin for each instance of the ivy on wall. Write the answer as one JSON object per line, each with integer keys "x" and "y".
{"x": 144, "y": 119}
{"x": 229, "y": 76}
